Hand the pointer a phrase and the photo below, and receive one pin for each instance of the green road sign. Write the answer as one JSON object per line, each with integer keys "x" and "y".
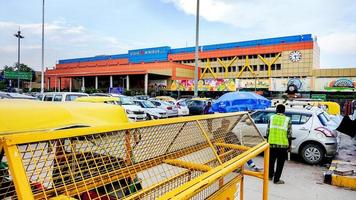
{"x": 15, "y": 74}
{"x": 319, "y": 96}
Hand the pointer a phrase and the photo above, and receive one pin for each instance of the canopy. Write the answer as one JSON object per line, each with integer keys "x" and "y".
{"x": 240, "y": 101}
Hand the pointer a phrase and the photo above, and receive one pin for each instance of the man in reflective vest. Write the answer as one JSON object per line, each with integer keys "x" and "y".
{"x": 279, "y": 134}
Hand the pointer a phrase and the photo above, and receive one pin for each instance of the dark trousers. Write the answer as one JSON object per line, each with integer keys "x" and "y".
{"x": 279, "y": 155}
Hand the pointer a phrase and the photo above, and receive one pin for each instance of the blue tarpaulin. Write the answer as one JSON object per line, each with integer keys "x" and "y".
{"x": 240, "y": 101}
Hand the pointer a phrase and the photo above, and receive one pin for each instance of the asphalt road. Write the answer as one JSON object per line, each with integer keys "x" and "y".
{"x": 303, "y": 182}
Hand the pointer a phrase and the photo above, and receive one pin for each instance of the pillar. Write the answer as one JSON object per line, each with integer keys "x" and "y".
{"x": 59, "y": 84}
{"x": 146, "y": 84}
{"x": 49, "y": 84}
{"x": 96, "y": 82}
{"x": 111, "y": 82}
{"x": 83, "y": 84}
{"x": 70, "y": 84}
{"x": 127, "y": 82}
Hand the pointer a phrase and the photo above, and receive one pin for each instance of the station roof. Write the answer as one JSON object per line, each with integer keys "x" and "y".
{"x": 171, "y": 69}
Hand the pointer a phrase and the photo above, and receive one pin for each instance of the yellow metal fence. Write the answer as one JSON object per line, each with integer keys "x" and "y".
{"x": 192, "y": 157}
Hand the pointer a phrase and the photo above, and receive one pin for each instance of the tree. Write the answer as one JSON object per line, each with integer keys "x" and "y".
{"x": 23, "y": 68}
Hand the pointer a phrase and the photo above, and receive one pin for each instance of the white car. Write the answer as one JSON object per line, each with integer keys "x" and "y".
{"x": 172, "y": 110}
{"x": 151, "y": 110}
{"x": 183, "y": 109}
{"x": 133, "y": 111}
{"x": 313, "y": 138}
{"x": 62, "y": 96}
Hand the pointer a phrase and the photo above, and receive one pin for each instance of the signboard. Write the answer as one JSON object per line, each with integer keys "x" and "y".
{"x": 204, "y": 85}
{"x": 341, "y": 84}
{"x": 149, "y": 54}
{"x": 250, "y": 83}
{"x": 15, "y": 74}
{"x": 281, "y": 84}
{"x": 319, "y": 96}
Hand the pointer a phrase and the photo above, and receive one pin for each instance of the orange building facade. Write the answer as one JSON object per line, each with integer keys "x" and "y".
{"x": 272, "y": 64}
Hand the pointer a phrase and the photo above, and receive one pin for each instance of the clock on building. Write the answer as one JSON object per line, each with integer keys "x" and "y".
{"x": 295, "y": 56}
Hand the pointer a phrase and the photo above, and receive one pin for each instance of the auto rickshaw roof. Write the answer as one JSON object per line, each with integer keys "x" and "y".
{"x": 25, "y": 115}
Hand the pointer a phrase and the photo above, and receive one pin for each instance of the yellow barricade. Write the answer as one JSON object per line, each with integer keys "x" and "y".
{"x": 198, "y": 157}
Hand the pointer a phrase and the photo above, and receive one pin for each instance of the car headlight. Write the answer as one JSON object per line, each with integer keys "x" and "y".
{"x": 129, "y": 112}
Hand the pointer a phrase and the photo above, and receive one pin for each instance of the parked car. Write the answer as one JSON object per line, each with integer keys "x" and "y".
{"x": 183, "y": 109}
{"x": 165, "y": 98}
{"x": 99, "y": 99}
{"x": 151, "y": 110}
{"x": 172, "y": 110}
{"x": 62, "y": 96}
{"x": 314, "y": 139}
{"x": 196, "y": 105}
{"x": 12, "y": 95}
{"x": 100, "y": 94}
{"x": 142, "y": 97}
{"x": 134, "y": 112}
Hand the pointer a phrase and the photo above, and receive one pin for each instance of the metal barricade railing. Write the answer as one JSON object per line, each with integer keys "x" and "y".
{"x": 195, "y": 157}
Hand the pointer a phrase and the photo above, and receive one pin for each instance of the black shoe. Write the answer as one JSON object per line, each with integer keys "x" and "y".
{"x": 270, "y": 178}
{"x": 279, "y": 182}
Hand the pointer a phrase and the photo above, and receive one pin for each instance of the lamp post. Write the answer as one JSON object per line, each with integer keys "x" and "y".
{"x": 196, "y": 51}
{"x": 42, "y": 52}
{"x": 19, "y": 37}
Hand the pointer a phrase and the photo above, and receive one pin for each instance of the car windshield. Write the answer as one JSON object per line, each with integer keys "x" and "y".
{"x": 126, "y": 101}
{"x": 182, "y": 103}
{"x": 324, "y": 119}
{"x": 147, "y": 104}
{"x": 196, "y": 103}
{"x": 72, "y": 97}
{"x": 166, "y": 103}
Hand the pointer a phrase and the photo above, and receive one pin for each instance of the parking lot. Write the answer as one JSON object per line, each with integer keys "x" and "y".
{"x": 302, "y": 182}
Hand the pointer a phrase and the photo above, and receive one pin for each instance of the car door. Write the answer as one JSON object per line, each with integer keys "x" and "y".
{"x": 301, "y": 125}
{"x": 261, "y": 119}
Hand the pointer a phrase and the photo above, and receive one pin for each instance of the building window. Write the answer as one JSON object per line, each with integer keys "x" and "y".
{"x": 254, "y": 67}
{"x": 221, "y": 69}
{"x": 233, "y": 68}
{"x": 278, "y": 66}
{"x": 240, "y": 68}
{"x": 262, "y": 67}
{"x": 202, "y": 70}
{"x": 273, "y": 67}
{"x": 229, "y": 69}
{"x": 214, "y": 69}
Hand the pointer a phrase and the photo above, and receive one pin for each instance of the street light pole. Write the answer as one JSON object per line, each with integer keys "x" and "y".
{"x": 196, "y": 51}
{"x": 19, "y": 37}
{"x": 42, "y": 53}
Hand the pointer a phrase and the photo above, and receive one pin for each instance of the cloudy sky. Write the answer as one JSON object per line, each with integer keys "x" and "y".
{"x": 83, "y": 28}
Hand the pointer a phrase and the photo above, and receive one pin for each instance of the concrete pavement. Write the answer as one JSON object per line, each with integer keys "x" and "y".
{"x": 303, "y": 182}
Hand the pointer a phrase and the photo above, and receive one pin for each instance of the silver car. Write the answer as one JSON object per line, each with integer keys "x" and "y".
{"x": 151, "y": 110}
{"x": 313, "y": 137}
{"x": 172, "y": 110}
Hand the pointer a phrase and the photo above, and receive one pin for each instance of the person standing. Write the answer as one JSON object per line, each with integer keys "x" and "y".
{"x": 279, "y": 134}
{"x": 207, "y": 108}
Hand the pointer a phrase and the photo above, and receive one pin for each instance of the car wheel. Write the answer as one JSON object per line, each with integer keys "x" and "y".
{"x": 312, "y": 154}
{"x": 148, "y": 117}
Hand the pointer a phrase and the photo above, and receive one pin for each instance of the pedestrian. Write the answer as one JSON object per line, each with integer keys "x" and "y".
{"x": 279, "y": 134}
{"x": 207, "y": 108}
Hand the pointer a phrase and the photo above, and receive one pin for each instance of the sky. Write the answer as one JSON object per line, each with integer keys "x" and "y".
{"x": 83, "y": 28}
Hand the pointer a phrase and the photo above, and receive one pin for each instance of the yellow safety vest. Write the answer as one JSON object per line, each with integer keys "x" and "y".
{"x": 278, "y": 130}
